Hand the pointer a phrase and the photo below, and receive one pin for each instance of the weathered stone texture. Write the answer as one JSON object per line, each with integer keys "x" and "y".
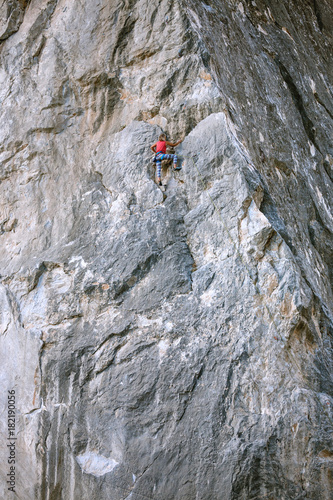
{"x": 174, "y": 343}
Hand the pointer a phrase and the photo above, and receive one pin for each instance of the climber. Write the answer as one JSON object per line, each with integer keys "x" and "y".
{"x": 159, "y": 148}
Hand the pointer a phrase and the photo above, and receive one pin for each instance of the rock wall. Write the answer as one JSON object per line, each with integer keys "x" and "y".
{"x": 169, "y": 343}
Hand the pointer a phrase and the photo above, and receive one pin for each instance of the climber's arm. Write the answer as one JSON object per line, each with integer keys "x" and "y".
{"x": 173, "y": 144}
{"x": 153, "y": 147}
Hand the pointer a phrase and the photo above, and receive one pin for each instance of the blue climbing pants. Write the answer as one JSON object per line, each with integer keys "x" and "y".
{"x": 159, "y": 158}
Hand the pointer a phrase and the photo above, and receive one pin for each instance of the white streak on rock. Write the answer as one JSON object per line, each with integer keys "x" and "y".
{"x": 79, "y": 260}
{"x": 95, "y": 464}
{"x": 312, "y": 149}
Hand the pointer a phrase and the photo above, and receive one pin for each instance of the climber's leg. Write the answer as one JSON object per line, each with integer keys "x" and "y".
{"x": 158, "y": 171}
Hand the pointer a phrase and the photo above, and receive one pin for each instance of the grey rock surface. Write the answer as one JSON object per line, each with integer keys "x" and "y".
{"x": 174, "y": 343}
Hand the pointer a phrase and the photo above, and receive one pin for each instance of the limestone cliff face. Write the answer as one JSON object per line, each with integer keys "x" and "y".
{"x": 170, "y": 344}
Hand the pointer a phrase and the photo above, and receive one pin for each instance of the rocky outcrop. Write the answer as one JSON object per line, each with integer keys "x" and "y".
{"x": 12, "y": 13}
{"x": 169, "y": 343}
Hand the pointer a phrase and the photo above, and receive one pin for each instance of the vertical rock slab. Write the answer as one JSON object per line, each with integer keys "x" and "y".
{"x": 270, "y": 63}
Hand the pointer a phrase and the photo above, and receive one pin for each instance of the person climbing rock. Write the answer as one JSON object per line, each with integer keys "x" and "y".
{"x": 159, "y": 148}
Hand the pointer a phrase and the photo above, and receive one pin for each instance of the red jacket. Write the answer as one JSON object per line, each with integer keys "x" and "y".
{"x": 161, "y": 147}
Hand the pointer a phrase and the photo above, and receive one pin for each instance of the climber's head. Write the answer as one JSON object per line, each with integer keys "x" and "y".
{"x": 162, "y": 137}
